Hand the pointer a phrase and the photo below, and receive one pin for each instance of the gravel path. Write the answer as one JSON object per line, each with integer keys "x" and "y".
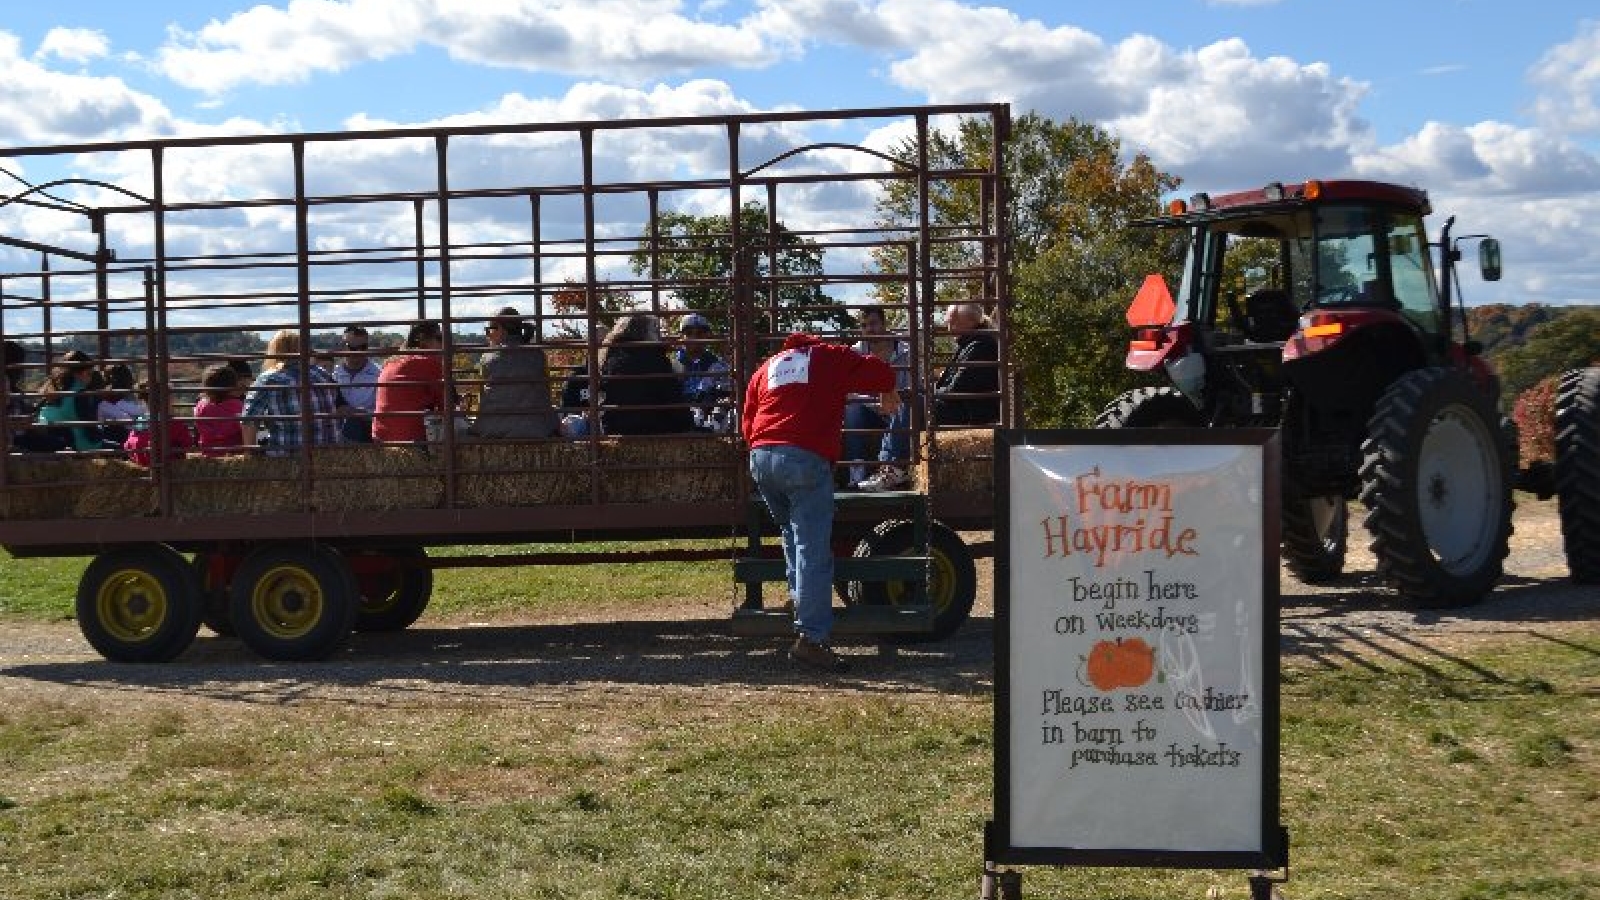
{"x": 688, "y": 653}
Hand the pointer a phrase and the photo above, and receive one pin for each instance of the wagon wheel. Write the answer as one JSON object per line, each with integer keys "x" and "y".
{"x": 952, "y": 577}
{"x": 293, "y": 601}
{"x": 139, "y": 604}
{"x": 213, "y": 572}
{"x": 393, "y": 592}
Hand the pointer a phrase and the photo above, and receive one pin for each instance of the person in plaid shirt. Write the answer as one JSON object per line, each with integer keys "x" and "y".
{"x": 272, "y": 406}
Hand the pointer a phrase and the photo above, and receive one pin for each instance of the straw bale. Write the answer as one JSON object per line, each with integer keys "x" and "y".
{"x": 376, "y": 477}
{"x": 63, "y": 487}
{"x": 521, "y": 473}
{"x": 669, "y": 468}
{"x": 234, "y": 485}
{"x": 958, "y": 461}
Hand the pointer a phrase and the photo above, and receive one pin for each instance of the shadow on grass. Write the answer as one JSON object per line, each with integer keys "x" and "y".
{"x": 542, "y": 663}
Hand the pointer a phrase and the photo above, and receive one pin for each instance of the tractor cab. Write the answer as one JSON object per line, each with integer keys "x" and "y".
{"x": 1325, "y": 285}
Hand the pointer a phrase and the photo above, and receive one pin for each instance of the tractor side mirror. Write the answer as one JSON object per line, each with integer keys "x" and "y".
{"x": 1489, "y": 259}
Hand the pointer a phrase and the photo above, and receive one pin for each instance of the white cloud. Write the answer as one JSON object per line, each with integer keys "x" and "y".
{"x": 38, "y": 105}
{"x": 628, "y": 40}
{"x": 1489, "y": 158}
{"x": 73, "y": 44}
{"x": 1568, "y": 76}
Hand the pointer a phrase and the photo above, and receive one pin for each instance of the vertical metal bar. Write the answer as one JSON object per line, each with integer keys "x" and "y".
{"x": 302, "y": 266}
{"x": 653, "y": 200}
{"x": 591, "y": 305}
{"x": 1011, "y": 411}
{"x": 774, "y": 294}
{"x": 421, "y": 242}
{"x": 103, "y": 315}
{"x": 536, "y": 239}
{"x": 441, "y": 148}
{"x": 156, "y": 345}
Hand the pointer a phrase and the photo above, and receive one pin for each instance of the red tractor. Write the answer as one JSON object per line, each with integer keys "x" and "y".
{"x": 1314, "y": 308}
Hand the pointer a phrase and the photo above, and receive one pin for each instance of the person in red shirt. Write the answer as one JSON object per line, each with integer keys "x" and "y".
{"x": 792, "y": 418}
{"x": 410, "y": 386}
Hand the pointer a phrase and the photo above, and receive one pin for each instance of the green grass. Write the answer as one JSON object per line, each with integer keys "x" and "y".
{"x": 1471, "y": 780}
{"x": 44, "y": 588}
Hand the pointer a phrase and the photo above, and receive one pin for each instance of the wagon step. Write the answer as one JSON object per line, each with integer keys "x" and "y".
{"x": 852, "y": 620}
{"x": 754, "y": 569}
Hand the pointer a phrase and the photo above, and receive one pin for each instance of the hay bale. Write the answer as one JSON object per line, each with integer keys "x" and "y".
{"x": 669, "y": 468}
{"x": 234, "y": 485}
{"x": 375, "y": 477}
{"x": 957, "y": 461}
{"x": 521, "y": 473}
{"x": 71, "y": 487}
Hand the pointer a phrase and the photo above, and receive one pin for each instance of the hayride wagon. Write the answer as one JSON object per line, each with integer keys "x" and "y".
{"x": 172, "y": 256}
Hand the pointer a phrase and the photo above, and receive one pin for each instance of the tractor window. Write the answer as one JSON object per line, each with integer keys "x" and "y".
{"x": 1407, "y": 244}
{"x": 1347, "y": 266}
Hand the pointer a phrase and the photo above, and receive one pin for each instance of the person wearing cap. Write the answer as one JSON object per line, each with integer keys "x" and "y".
{"x": 357, "y": 376}
{"x": 792, "y": 420}
{"x": 705, "y": 373}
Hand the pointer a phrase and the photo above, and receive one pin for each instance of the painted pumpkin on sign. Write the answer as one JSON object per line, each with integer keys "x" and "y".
{"x": 1123, "y": 663}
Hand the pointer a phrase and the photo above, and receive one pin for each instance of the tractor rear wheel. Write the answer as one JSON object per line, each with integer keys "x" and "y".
{"x": 1436, "y": 476}
{"x": 1578, "y": 471}
{"x": 1150, "y": 407}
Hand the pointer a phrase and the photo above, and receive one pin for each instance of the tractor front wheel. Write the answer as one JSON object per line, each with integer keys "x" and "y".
{"x": 1578, "y": 471}
{"x": 1150, "y": 407}
{"x": 1436, "y": 476}
{"x": 1315, "y": 530}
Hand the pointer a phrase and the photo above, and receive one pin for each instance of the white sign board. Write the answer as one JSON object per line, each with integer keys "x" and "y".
{"x": 1138, "y": 714}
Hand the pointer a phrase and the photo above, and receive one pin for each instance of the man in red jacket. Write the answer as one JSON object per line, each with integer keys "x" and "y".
{"x": 792, "y": 417}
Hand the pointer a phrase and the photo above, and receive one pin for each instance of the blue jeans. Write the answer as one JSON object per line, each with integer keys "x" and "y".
{"x": 894, "y": 444}
{"x": 797, "y": 486}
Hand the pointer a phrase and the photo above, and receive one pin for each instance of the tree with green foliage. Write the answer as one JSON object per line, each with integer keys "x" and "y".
{"x": 1569, "y": 342}
{"x": 695, "y": 254}
{"x": 1075, "y": 263}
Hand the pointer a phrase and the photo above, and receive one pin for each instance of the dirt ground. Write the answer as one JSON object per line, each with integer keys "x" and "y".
{"x": 686, "y": 650}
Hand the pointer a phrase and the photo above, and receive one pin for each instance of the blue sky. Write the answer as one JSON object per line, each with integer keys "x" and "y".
{"x": 1489, "y": 105}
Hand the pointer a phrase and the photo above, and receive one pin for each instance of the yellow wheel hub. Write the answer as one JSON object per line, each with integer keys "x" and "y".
{"x": 131, "y": 605}
{"x": 941, "y": 584}
{"x": 287, "y": 602}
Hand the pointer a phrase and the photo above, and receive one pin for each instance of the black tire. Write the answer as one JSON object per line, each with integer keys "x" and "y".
{"x": 392, "y": 593}
{"x": 213, "y": 587}
{"x": 952, "y": 581}
{"x": 293, "y": 601}
{"x": 1315, "y": 537}
{"x": 1578, "y": 471}
{"x": 139, "y": 604}
{"x": 1150, "y": 407}
{"x": 1436, "y": 476}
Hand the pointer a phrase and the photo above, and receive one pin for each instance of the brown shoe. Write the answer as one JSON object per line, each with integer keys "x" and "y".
{"x": 818, "y": 656}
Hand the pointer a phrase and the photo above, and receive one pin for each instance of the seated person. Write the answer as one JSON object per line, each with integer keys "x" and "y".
{"x": 576, "y": 420}
{"x": 118, "y": 408}
{"x": 891, "y": 447}
{"x": 217, "y": 412}
{"x": 515, "y": 398}
{"x": 272, "y": 405}
{"x": 635, "y": 372}
{"x": 968, "y": 390}
{"x": 19, "y": 412}
{"x": 410, "y": 387}
{"x": 706, "y": 379}
{"x": 70, "y": 395}
{"x": 141, "y": 444}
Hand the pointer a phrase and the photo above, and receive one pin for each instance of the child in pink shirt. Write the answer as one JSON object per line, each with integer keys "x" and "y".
{"x": 216, "y": 416}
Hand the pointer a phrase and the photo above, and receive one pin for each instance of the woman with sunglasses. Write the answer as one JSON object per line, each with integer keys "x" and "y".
{"x": 515, "y": 398}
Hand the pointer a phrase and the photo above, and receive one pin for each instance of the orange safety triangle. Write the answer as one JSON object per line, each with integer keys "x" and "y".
{"x": 1153, "y": 304}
